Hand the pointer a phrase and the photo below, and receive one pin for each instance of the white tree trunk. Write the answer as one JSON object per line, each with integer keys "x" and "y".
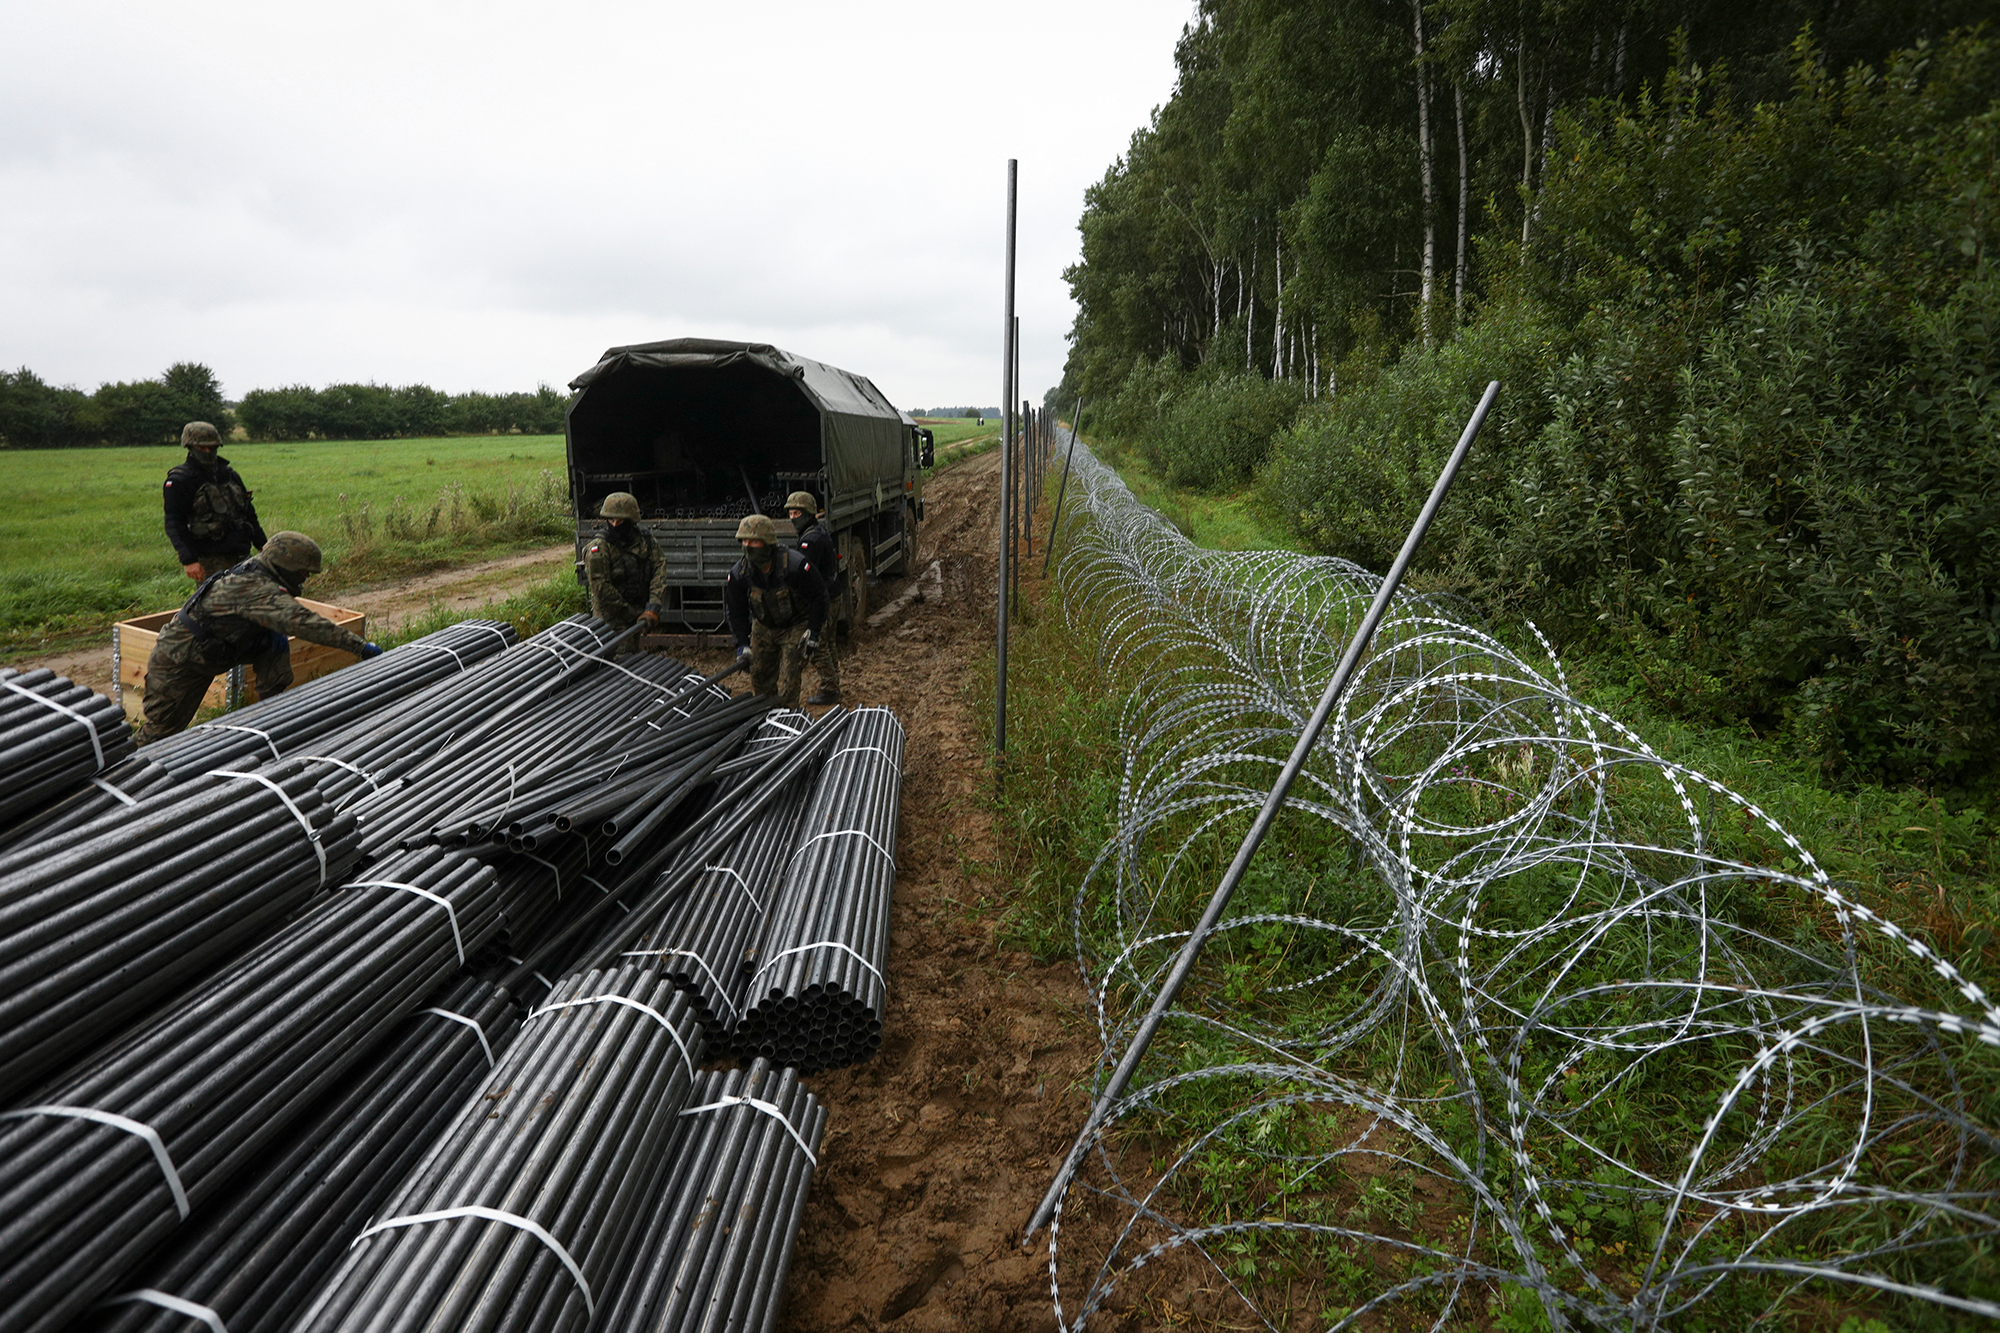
{"x": 1527, "y": 134}
{"x": 1278, "y": 324}
{"x": 1464, "y": 189}
{"x": 1427, "y": 287}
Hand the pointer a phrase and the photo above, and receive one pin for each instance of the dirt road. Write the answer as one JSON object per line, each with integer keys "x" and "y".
{"x": 939, "y": 1148}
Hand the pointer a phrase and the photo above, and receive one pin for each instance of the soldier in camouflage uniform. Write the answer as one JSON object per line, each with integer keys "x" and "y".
{"x": 816, "y": 545}
{"x": 626, "y": 572}
{"x": 777, "y": 608}
{"x": 210, "y": 519}
{"x": 243, "y": 616}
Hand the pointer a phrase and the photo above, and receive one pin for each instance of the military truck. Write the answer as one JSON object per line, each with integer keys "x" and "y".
{"x": 705, "y": 432}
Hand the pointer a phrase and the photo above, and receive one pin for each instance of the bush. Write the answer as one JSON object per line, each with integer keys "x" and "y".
{"x": 1215, "y": 433}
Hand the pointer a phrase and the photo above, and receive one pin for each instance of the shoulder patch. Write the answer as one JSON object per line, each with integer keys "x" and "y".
{"x": 593, "y": 550}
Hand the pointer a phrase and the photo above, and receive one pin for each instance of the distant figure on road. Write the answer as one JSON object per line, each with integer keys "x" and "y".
{"x": 242, "y": 616}
{"x": 777, "y": 608}
{"x": 816, "y": 545}
{"x": 210, "y": 519}
{"x": 626, "y": 572}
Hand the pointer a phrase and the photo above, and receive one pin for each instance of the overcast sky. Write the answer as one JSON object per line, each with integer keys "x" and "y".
{"x": 485, "y": 196}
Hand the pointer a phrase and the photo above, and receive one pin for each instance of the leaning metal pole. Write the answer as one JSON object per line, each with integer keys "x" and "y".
{"x": 1006, "y": 470}
{"x": 1075, "y": 429}
{"x": 1308, "y": 737}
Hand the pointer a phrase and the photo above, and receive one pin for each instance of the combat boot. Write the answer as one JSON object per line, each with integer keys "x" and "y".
{"x": 825, "y": 697}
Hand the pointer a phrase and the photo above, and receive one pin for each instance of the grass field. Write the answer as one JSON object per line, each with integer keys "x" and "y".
{"x": 81, "y": 541}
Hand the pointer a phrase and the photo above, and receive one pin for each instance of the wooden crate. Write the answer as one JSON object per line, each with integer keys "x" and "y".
{"x": 132, "y": 646}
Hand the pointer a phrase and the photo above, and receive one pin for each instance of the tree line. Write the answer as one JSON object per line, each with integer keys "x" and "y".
{"x": 38, "y": 415}
{"x": 1733, "y": 264}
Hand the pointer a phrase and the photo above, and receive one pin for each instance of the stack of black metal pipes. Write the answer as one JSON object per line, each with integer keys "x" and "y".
{"x": 121, "y": 786}
{"x": 249, "y": 1260}
{"x": 522, "y": 1213}
{"x": 294, "y": 722}
{"x": 54, "y": 734}
{"x": 607, "y": 930}
{"x": 102, "y": 922}
{"x": 484, "y": 770}
{"x": 100, "y": 1166}
{"x": 723, "y": 1229}
{"x": 609, "y": 789}
{"x": 371, "y": 754}
{"x": 719, "y": 1242}
{"x": 704, "y": 938}
{"x": 817, "y": 997}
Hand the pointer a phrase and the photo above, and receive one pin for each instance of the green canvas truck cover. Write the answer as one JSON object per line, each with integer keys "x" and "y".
{"x": 861, "y": 433}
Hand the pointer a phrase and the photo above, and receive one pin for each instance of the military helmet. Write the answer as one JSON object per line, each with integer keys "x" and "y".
{"x": 293, "y": 552}
{"x": 757, "y": 527}
{"x": 199, "y": 432}
{"x": 620, "y": 504}
{"x": 802, "y": 500}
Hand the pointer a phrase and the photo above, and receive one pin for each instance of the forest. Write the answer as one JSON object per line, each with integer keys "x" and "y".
{"x": 1732, "y": 264}
{"x": 37, "y": 415}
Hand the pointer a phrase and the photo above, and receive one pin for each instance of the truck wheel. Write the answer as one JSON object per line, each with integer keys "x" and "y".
{"x": 853, "y": 564}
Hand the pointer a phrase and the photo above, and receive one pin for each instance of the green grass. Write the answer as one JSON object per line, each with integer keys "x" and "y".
{"x": 1225, "y": 521}
{"x": 959, "y": 431}
{"x": 1924, "y": 859}
{"x": 81, "y": 541}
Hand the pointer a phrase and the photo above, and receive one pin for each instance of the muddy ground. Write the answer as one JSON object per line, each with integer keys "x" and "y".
{"x": 938, "y": 1149}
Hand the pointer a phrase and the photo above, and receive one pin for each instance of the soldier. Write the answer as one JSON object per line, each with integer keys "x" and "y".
{"x": 777, "y": 608}
{"x": 242, "y": 616}
{"x": 816, "y": 545}
{"x": 210, "y": 519}
{"x": 627, "y": 573}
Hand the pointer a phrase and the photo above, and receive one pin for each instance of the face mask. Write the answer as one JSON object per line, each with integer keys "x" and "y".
{"x": 801, "y": 523}
{"x": 622, "y": 532}
{"x": 760, "y": 556}
{"x": 204, "y": 458}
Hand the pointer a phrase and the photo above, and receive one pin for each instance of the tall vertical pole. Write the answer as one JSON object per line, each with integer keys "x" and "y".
{"x": 1006, "y": 473}
{"x": 1014, "y": 454}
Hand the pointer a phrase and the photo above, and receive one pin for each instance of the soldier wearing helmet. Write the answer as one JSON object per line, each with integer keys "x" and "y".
{"x": 210, "y": 519}
{"x": 816, "y": 545}
{"x": 777, "y": 609}
{"x": 626, "y": 572}
{"x": 245, "y": 615}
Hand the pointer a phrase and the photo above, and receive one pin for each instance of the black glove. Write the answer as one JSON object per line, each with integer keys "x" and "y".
{"x": 742, "y": 652}
{"x": 369, "y": 650}
{"x": 808, "y": 643}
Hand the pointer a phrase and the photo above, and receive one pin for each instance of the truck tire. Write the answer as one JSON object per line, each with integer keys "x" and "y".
{"x": 854, "y": 568}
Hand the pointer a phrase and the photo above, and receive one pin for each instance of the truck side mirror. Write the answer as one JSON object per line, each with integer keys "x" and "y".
{"x": 926, "y": 452}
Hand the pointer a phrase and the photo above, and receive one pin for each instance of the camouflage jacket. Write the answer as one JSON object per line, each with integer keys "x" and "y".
{"x": 780, "y": 597}
{"x": 230, "y": 618}
{"x": 625, "y": 577}
{"x": 816, "y": 545}
{"x": 208, "y": 511}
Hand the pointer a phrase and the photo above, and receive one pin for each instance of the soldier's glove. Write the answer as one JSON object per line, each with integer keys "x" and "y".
{"x": 742, "y": 652}
{"x": 650, "y": 619}
{"x": 808, "y": 643}
{"x": 369, "y": 650}
{"x": 280, "y": 642}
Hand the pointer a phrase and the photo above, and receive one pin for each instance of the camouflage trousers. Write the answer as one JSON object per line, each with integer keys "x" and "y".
{"x": 178, "y": 674}
{"x": 827, "y": 662}
{"x": 776, "y": 664}
{"x": 619, "y": 624}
